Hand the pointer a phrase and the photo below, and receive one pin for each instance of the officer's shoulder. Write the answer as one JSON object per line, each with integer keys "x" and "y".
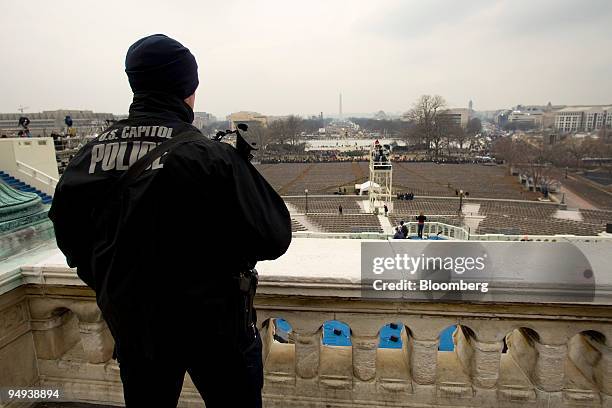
{"x": 209, "y": 150}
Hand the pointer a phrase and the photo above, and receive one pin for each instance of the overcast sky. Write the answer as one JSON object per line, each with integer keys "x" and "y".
{"x": 285, "y": 56}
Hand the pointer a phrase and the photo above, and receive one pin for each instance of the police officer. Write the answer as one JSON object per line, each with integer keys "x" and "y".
{"x": 172, "y": 280}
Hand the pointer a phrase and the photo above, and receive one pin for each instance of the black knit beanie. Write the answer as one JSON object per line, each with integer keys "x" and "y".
{"x": 159, "y": 63}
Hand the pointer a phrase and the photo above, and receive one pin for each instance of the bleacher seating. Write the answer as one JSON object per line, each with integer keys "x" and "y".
{"x": 502, "y": 223}
{"x": 282, "y": 175}
{"x": 597, "y": 217}
{"x": 500, "y": 217}
{"x": 318, "y": 178}
{"x": 519, "y": 209}
{"x": 346, "y": 223}
{"x": 422, "y": 179}
{"x": 328, "y": 205}
{"x": 431, "y": 179}
{"x": 443, "y": 179}
{"x": 297, "y": 226}
{"x": 431, "y": 206}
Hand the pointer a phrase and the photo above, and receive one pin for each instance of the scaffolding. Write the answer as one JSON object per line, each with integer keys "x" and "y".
{"x": 380, "y": 191}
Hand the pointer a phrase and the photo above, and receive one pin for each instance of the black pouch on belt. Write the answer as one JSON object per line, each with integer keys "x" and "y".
{"x": 247, "y": 282}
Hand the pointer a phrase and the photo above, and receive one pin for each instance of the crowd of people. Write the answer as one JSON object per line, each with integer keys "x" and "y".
{"x": 405, "y": 196}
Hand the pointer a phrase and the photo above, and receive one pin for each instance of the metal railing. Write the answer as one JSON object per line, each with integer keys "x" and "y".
{"x": 36, "y": 174}
{"x": 454, "y": 232}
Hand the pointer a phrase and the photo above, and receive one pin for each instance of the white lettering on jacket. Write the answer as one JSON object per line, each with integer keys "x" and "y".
{"x": 113, "y": 156}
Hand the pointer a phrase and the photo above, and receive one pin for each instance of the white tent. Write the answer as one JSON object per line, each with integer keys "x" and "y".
{"x": 365, "y": 187}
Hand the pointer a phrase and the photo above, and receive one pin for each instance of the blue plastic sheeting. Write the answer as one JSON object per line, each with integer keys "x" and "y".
{"x": 283, "y": 325}
{"x": 282, "y": 328}
{"x": 390, "y": 336}
{"x": 446, "y": 339}
{"x": 430, "y": 238}
{"x": 336, "y": 333}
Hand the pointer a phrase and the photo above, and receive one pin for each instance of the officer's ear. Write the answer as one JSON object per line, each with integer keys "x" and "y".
{"x": 190, "y": 100}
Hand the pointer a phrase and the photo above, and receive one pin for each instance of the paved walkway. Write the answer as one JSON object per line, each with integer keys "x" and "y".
{"x": 386, "y": 225}
{"x": 572, "y": 215}
{"x": 573, "y": 200}
{"x": 470, "y": 208}
{"x": 472, "y": 222}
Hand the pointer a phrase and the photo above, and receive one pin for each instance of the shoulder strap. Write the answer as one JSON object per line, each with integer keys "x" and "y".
{"x": 145, "y": 161}
{"x": 140, "y": 165}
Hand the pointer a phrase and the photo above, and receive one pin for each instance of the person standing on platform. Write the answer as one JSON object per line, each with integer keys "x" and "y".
{"x": 134, "y": 213}
{"x": 421, "y": 220}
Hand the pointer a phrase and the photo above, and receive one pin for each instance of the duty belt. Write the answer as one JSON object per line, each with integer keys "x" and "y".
{"x": 247, "y": 283}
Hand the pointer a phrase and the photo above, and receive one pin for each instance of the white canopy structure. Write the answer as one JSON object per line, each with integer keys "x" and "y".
{"x": 365, "y": 187}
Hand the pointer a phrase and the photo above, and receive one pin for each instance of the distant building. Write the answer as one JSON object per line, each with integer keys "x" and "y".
{"x": 501, "y": 117}
{"x": 380, "y": 115}
{"x": 248, "y": 118}
{"x": 458, "y": 117}
{"x": 202, "y": 119}
{"x": 583, "y": 118}
{"x": 531, "y": 115}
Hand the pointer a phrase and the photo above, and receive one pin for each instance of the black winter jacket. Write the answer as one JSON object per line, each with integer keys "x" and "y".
{"x": 162, "y": 267}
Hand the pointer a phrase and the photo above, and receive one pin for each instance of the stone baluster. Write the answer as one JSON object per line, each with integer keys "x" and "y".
{"x": 549, "y": 372}
{"x": 97, "y": 341}
{"x": 307, "y": 352}
{"x": 266, "y": 333}
{"x": 423, "y": 359}
{"x": 541, "y": 355}
{"x": 423, "y": 341}
{"x": 307, "y": 340}
{"x": 53, "y": 327}
{"x": 96, "y": 338}
{"x": 485, "y": 363}
{"x": 480, "y": 355}
{"x": 364, "y": 338}
{"x": 603, "y": 368}
{"x": 592, "y": 357}
{"x": 364, "y": 356}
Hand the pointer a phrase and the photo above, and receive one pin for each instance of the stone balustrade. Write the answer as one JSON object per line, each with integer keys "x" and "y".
{"x": 512, "y": 354}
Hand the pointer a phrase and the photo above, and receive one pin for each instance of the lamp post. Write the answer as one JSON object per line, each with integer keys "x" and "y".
{"x": 306, "y": 192}
{"x": 461, "y": 194}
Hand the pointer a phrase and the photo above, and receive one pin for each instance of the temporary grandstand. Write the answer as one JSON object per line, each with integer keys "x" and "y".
{"x": 480, "y": 219}
{"x": 419, "y": 178}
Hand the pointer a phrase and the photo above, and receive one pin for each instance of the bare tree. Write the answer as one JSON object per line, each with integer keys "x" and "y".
{"x": 258, "y": 133}
{"x": 506, "y": 149}
{"x": 424, "y": 114}
{"x": 533, "y": 159}
{"x": 455, "y": 136}
{"x": 277, "y": 132}
{"x": 293, "y": 127}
